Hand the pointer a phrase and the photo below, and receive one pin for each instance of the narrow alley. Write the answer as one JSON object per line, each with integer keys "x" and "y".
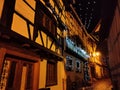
{"x": 104, "y": 84}
{"x": 59, "y": 44}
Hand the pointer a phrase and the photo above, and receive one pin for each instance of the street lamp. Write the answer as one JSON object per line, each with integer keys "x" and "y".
{"x": 95, "y": 54}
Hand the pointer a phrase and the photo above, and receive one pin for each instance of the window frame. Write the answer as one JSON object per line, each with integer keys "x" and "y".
{"x": 45, "y": 20}
{"x": 51, "y": 73}
{"x": 69, "y": 67}
{"x": 78, "y": 69}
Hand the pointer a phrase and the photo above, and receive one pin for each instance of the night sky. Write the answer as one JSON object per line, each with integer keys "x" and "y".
{"x": 89, "y": 12}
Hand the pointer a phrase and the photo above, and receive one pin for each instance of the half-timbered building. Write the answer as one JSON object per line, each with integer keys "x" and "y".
{"x": 31, "y": 45}
{"x": 43, "y": 46}
{"x": 76, "y": 50}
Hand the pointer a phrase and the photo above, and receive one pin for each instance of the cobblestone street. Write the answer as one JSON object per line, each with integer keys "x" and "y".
{"x": 104, "y": 84}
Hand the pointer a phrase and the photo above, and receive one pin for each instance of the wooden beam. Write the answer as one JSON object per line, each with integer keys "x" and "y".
{"x": 7, "y": 14}
{"x": 2, "y": 54}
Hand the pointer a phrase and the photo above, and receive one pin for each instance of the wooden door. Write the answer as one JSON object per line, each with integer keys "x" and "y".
{"x": 16, "y": 74}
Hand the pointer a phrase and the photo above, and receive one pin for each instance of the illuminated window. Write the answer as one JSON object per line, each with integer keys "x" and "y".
{"x": 51, "y": 73}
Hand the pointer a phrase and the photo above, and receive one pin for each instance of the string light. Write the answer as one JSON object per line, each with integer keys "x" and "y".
{"x": 94, "y": 2}
{"x": 87, "y": 8}
{"x": 88, "y": 2}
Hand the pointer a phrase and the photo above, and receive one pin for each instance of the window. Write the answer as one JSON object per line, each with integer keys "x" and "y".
{"x": 49, "y": 24}
{"x": 69, "y": 63}
{"x": 51, "y": 78}
{"x": 78, "y": 66}
{"x": 46, "y": 21}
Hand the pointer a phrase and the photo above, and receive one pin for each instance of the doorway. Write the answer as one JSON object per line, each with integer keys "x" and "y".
{"x": 16, "y": 74}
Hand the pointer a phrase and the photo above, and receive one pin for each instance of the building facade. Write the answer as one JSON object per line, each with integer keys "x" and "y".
{"x": 75, "y": 62}
{"x": 109, "y": 39}
{"x": 45, "y": 44}
{"x": 113, "y": 47}
{"x": 31, "y": 46}
{"x": 76, "y": 51}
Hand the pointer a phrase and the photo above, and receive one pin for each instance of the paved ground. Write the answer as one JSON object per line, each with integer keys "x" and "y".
{"x": 104, "y": 84}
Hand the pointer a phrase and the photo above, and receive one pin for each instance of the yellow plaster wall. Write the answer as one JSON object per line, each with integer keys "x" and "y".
{"x": 1, "y": 7}
{"x": 98, "y": 71}
{"x": 19, "y": 26}
{"x": 42, "y": 72}
{"x": 26, "y": 11}
{"x": 38, "y": 39}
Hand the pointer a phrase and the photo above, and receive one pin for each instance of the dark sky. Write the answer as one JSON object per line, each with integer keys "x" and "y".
{"x": 89, "y": 12}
